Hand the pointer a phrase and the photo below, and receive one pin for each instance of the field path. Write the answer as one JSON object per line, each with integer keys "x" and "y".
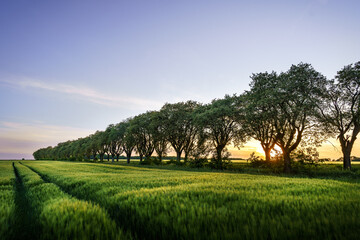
{"x": 26, "y": 225}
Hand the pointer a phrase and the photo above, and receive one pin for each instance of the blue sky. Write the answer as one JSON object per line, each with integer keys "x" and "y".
{"x": 68, "y": 68}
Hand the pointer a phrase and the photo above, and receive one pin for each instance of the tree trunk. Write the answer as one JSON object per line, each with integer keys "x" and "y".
{"x": 108, "y": 157}
{"x": 178, "y": 156}
{"x": 346, "y": 147}
{"x": 112, "y": 157}
{"x": 219, "y": 157}
{"x": 117, "y": 157}
{"x": 141, "y": 157}
{"x": 186, "y": 156}
{"x": 267, "y": 154}
{"x": 128, "y": 156}
{"x": 287, "y": 161}
{"x": 346, "y": 160}
{"x": 160, "y": 157}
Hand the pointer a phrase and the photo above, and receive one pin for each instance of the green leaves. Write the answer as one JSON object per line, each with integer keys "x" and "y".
{"x": 219, "y": 125}
{"x": 340, "y": 111}
{"x": 280, "y": 108}
{"x": 179, "y": 127}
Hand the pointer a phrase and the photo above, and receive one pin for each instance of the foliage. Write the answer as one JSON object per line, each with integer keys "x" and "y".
{"x": 340, "y": 109}
{"x": 116, "y": 135}
{"x": 198, "y": 162}
{"x": 129, "y": 142}
{"x": 219, "y": 126}
{"x": 151, "y": 161}
{"x": 179, "y": 126}
{"x": 141, "y": 129}
{"x": 293, "y": 96}
{"x": 306, "y": 155}
{"x": 256, "y": 161}
{"x": 257, "y": 105}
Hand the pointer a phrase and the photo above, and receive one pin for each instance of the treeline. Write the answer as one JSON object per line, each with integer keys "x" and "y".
{"x": 299, "y": 107}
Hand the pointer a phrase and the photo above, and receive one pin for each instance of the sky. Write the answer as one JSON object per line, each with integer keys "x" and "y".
{"x": 69, "y": 68}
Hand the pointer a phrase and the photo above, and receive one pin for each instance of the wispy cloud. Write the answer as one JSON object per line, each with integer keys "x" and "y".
{"x": 86, "y": 94}
{"x": 25, "y": 138}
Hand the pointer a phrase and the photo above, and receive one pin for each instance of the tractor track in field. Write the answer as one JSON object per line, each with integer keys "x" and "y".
{"x": 26, "y": 225}
{"x": 46, "y": 179}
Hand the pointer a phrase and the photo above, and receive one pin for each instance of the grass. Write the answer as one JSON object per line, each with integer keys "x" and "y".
{"x": 170, "y": 203}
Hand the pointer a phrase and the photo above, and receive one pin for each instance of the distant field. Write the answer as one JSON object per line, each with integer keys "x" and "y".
{"x": 91, "y": 200}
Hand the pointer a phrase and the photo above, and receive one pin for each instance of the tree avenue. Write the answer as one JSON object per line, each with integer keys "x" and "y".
{"x": 287, "y": 109}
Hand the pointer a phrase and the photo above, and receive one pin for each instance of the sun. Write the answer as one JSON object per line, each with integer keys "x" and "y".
{"x": 276, "y": 150}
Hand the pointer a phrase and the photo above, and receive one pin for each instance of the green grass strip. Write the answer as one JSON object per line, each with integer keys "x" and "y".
{"x": 62, "y": 216}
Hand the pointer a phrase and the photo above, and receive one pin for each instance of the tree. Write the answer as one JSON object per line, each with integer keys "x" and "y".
{"x": 219, "y": 123}
{"x": 179, "y": 126}
{"x": 159, "y": 135}
{"x": 101, "y": 142}
{"x": 115, "y": 134}
{"x": 44, "y": 153}
{"x": 258, "y": 111}
{"x": 78, "y": 150}
{"x": 129, "y": 141}
{"x": 291, "y": 99}
{"x": 87, "y": 147}
{"x": 340, "y": 111}
{"x": 140, "y": 128}
{"x": 296, "y": 98}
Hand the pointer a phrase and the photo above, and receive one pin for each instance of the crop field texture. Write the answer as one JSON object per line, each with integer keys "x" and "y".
{"x": 7, "y": 198}
{"x": 87, "y": 200}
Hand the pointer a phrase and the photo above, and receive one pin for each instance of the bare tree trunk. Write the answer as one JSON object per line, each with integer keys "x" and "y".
{"x": 287, "y": 162}
{"x": 219, "y": 157}
{"x": 346, "y": 147}
{"x": 178, "y": 156}
{"x": 347, "y": 160}
{"x": 267, "y": 154}
{"x": 128, "y": 156}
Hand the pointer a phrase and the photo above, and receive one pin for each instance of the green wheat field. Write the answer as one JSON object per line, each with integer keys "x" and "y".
{"x": 70, "y": 200}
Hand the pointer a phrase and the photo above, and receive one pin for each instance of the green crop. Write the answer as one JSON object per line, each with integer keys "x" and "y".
{"x": 7, "y": 198}
{"x": 174, "y": 204}
{"x": 58, "y": 215}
